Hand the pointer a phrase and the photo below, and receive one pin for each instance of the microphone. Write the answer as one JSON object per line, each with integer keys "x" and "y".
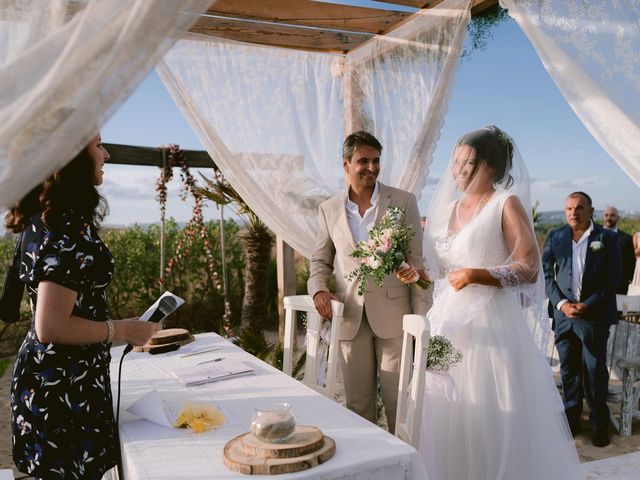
{"x": 166, "y": 306}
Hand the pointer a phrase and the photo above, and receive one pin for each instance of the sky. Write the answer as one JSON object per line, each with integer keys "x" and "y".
{"x": 504, "y": 84}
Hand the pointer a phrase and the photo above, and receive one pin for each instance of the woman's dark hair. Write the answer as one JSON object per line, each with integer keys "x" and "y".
{"x": 493, "y": 147}
{"x": 18, "y": 216}
{"x": 70, "y": 188}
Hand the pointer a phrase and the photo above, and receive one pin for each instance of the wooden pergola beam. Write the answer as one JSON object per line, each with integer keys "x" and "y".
{"x": 152, "y": 157}
{"x": 279, "y": 35}
{"x": 307, "y": 24}
{"x": 409, "y": 3}
{"x": 479, "y": 6}
{"x": 309, "y": 13}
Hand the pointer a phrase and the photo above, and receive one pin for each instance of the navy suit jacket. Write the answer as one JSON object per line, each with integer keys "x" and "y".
{"x": 601, "y": 278}
{"x": 628, "y": 260}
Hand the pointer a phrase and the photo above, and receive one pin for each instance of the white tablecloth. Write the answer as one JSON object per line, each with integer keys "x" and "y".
{"x": 150, "y": 451}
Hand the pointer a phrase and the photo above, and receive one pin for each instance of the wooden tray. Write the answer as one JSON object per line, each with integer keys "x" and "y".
{"x": 163, "y": 338}
{"x": 307, "y": 448}
{"x": 305, "y": 440}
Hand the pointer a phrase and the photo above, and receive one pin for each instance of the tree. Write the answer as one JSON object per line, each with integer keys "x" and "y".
{"x": 480, "y": 29}
{"x": 256, "y": 242}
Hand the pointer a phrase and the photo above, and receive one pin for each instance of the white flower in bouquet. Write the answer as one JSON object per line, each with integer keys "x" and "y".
{"x": 442, "y": 355}
{"x": 384, "y": 251}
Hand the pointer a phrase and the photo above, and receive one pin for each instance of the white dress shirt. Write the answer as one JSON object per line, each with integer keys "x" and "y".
{"x": 360, "y": 225}
{"x": 578, "y": 258}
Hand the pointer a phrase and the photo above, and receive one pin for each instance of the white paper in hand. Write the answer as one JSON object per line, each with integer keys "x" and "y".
{"x": 166, "y": 304}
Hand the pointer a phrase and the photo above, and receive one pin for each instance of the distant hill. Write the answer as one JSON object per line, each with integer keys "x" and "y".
{"x": 551, "y": 218}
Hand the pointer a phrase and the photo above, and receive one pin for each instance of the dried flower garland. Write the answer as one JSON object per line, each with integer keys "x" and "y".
{"x": 194, "y": 229}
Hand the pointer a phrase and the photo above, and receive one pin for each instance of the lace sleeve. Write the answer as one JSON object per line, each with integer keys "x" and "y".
{"x": 506, "y": 275}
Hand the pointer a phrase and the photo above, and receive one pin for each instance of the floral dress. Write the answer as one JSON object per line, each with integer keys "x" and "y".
{"x": 61, "y": 405}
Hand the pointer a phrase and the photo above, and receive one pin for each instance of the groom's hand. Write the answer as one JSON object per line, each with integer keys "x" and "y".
{"x": 407, "y": 274}
{"x": 322, "y": 301}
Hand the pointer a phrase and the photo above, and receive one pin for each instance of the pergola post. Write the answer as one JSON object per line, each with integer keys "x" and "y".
{"x": 352, "y": 100}
{"x": 162, "y": 225}
{"x": 286, "y": 270}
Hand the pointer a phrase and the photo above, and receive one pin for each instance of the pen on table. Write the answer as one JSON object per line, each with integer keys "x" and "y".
{"x": 209, "y": 361}
{"x": 198, "y": 352}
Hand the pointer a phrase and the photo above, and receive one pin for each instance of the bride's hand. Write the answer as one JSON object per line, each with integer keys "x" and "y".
{"x": 460, "y": 278}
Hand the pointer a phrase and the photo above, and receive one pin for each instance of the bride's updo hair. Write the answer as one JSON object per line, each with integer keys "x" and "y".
{"x": 495, "y": 149}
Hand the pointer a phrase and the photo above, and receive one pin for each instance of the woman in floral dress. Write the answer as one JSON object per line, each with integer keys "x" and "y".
{"x": 61, "y": 405}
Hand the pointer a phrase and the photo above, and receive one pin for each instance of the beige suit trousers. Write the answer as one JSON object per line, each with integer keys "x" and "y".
{"x": 365, "y": 359}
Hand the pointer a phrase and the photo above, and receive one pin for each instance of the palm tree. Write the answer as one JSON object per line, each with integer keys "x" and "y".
{"x": 256, "y": 243}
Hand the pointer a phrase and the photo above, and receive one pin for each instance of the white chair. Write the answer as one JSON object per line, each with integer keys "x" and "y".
{"x": 6, "y": 474}
{"x": 413, "y": 366}
{"x": 304, "y": 303}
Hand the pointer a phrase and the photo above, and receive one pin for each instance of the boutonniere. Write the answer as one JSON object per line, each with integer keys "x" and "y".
{"x": 596, "y": 246}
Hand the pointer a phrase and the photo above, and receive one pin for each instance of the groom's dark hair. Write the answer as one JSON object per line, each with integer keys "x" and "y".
{"x": 356, "y": 140}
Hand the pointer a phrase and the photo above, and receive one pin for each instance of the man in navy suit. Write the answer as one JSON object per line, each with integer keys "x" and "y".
{"x": 583, "y": 269}
{"x": 610, "y": 218}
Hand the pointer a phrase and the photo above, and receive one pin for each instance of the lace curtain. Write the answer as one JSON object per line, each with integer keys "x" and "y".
{"x": 274, "y": 119}
{"x": 64, "y": 67}
{"x": 591, "y": 50}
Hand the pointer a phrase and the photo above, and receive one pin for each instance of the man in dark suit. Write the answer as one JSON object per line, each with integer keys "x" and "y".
{"x": 610, "y": 219}
{"x": 583, "y": 270}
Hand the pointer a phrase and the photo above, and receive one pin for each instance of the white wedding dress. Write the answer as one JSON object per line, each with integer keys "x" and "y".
{"x": 508, "y": 422}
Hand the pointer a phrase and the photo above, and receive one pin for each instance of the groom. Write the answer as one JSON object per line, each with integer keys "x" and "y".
{"x": 583, "y": 269}
{"x": 371, "y": 334}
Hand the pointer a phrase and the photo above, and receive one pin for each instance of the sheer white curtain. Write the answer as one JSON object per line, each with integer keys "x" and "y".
{"x": 274, "y": 119}
{"x": 64, "y": 67}
{"x": 591, "y": 49}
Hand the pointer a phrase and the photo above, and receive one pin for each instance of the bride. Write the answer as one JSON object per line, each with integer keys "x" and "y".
{"x": 508, "y": 421}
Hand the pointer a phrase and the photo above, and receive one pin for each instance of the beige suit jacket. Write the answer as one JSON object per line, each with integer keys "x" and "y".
{"x": 384, "y": 306}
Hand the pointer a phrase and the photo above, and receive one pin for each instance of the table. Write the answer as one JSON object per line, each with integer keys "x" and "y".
{"x": 150, "y": 451}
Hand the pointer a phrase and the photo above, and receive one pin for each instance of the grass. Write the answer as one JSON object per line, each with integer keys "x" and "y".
{"x": 4, "y": 363}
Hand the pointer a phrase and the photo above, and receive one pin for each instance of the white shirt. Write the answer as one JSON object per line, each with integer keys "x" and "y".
{"x": 358, "y": 225}
{"x": 578, "y": 258}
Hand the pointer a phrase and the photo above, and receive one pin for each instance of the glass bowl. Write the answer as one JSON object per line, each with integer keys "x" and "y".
{"x": 274, "y": 424}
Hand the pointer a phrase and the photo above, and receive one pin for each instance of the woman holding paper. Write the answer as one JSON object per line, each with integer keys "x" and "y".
{"x": 61, "y": 405}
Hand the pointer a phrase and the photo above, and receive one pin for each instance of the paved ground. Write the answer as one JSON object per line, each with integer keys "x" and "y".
{"x": 625, "y": 467}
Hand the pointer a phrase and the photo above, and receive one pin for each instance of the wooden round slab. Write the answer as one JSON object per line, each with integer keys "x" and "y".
{"x": 238, "y": 460}
{"x": 162, "y": 338}
{"x": 169, "y": 335}
{"x": 305, "y": 440}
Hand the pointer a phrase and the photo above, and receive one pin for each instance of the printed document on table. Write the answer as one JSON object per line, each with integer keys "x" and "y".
{"x": 211, "y": 372}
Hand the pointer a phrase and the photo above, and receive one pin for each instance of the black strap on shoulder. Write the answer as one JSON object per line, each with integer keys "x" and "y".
{"x": 17, "y": 251}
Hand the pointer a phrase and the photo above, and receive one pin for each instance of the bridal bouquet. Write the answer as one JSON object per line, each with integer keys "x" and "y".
{"x": 384, "y": 252}
{"x": 442, "y": 355}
